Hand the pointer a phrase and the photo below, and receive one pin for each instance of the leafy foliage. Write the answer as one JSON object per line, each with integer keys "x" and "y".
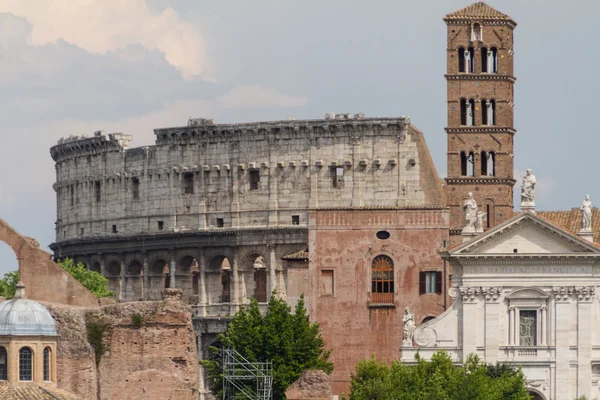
{"x": 95, "y": 335}
{"x": 8, "y": 284}
{"x": 288, "y": 339}
{"x": 137, "y": 320}
{"x": 438, "y": 379}
{"x": 92, "y": 280}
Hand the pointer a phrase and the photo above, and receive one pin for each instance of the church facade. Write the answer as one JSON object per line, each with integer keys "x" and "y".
{"x": 524, "y": 293}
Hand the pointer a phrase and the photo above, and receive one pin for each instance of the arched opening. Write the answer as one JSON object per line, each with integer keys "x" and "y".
{"x": 463, "y": 163}
{"x": 426, "y": 319}
{"x": 382, "y": 280}
{"x": 25, "y": 364}
{"x": 463, "y": 111}
{"x": 461, "y": 59}
{"x": 489, "y": 209}
{"x": 484, "y": 112}
{"x": 491, "y": 164}
{"x": 157, "y": 279}
{"x": 484, "y": 164}
{"x": 492, "y": 113}
{"x": 471, "y": 164}
{"x": 254, "y": 268}
{"x": 218, "y": 280}
{"x": 133, "y": 290}
{"x": 535, "y": 395}
{"x": 493, "y": 60}
{"x": 47, "y": 364}
{"x": 195, "y": 278}
{"x": 96, "y": 267}
{"x": 484, "y": 59}
{"x": 184, "y": 276}
{"x": 3, "y": 364}
{"x": 476, "y": 32}
{"x": 8, "y": 260}
{"x": 113, "y": 275}
{"x": 471, "y": 113}
{"x": 470, "y": 60}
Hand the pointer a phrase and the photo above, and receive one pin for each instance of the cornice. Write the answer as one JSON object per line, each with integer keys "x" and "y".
{"x": 480, "y": 129}
{"x": 487, "y": 21}
{"x": 481, "y": 181}
{"x": 480, "y": 77}
{"x": 533, "y": 259}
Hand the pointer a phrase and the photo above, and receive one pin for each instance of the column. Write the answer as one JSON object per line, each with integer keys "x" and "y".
{"x": 145, "y": 277}
{"x": 236, "y": 281}
{"x": 122, "y": 289}
{"x": 584, "y": 343}
{"x": 563, "y": 332}
{"x": 543, "y": 327}
{"x": 511, "y": 324}
{"x": 272, "y": 271}
{"x": 173, "y": 265}
{"x": 493, "y": 331}
{"x": 202, "y": 299}
{"x": 243, "y": 293}
{"x": 281, "y": 285}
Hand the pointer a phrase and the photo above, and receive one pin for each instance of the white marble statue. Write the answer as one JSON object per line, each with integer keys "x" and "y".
{"x": 470, "y": 211}
{"x": 479, "y": 221}
{"x": 259, "y": 263}
{"x": 409, "y": 327}
{"x": 528, "y": 189}
{"x": 586, "y": 214}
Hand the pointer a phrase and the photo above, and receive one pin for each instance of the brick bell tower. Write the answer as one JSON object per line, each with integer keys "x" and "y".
{"x": 480, "y": 114}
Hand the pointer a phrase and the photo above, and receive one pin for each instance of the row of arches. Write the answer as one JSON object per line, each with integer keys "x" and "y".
{"x": 468, "y": 108}
{"x": 488, "y": 59}
{"x": 217, "y": 278}
{"x": 26, "y": 365}
{"x": 487, "y": 159}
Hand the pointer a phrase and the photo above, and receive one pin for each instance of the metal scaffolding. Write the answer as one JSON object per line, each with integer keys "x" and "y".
{"x": 243, "y": 379}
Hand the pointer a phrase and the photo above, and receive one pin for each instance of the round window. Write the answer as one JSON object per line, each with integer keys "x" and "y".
{"x": 383, "y": 235}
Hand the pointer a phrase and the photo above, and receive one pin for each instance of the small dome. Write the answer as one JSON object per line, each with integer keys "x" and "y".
{"x": 22, "y": 317}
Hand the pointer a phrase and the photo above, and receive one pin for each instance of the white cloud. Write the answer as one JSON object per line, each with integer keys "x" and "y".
{"x": 258, "y": 96}
{"x": 99, "y": 26}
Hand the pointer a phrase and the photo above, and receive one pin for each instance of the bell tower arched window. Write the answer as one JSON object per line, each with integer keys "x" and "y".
{"x": 484, "y": 164}
{"x": 484, "y": 112}
{"x": 461, "y": 59}
{"x": 470, "y": 59}
{"x": 382, "y": 280}
{"x": 463, "y": 163}
{"x": 493, "y": 60}
{"x": 471, "y": 164}
{"x": 484, "y": 59}
{"x": 471, "y": 113}
{"x": 491, "y": 113}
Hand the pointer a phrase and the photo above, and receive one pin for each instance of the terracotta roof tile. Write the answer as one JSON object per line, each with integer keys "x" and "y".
{"x": 571, "y": 220}
{"x": 34, "y": 392}
{"x": 478, "y": 10}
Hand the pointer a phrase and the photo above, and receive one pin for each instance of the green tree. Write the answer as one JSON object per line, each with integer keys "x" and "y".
{"x": 8, "y": 284}
{"x": 92, "y": 280}
{"x": 288, "y": 339}
{"x": 438, "y": 379}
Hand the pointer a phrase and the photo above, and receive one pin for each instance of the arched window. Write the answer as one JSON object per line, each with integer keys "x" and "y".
{"x": 476, "y": 33}
{"x": 493, "y": 60}
{"x": 25, "y": 364}
{"x": 461, "y": 59}
{"x": 488, "y": 208}
{"x": 470, "y": 59}
{"x": 463, "y": 111}
{"x": 3, "y": 364}
{"x": 382, "y": 280}
{"x": 427, "y": 319}
{"x": 471, "y": 113}
{"x": 463, "y": 163}
{"x": 471, "y": 164}
{"x": 484, "y": 164}
{"x": 492, "y": 112}
{"x": 47, "y": 355}
{"x": 484, "y": 59}
{"x": 491, "y": 164}
{"x": 484, "y": 112}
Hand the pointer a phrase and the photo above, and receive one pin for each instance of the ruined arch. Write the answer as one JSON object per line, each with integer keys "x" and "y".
{"x": 134, "y": 285}
{"x": 219, "y": 280}
{"x": 254, "y": 270}
{"x": 158, "y": 278}
{"x": 183, "y": 276}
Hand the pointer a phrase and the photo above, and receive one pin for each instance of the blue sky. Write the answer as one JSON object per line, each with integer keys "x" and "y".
{"x": 73, "y": 67}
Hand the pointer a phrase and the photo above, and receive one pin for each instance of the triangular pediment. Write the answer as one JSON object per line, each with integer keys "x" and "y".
{"x": 525, "y": 233}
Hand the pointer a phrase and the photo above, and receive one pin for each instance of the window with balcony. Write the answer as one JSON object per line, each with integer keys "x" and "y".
{"x": 382, "y": 280}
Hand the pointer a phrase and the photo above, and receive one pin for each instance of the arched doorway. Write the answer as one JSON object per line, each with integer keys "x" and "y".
{"x": 536, "y": 395}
